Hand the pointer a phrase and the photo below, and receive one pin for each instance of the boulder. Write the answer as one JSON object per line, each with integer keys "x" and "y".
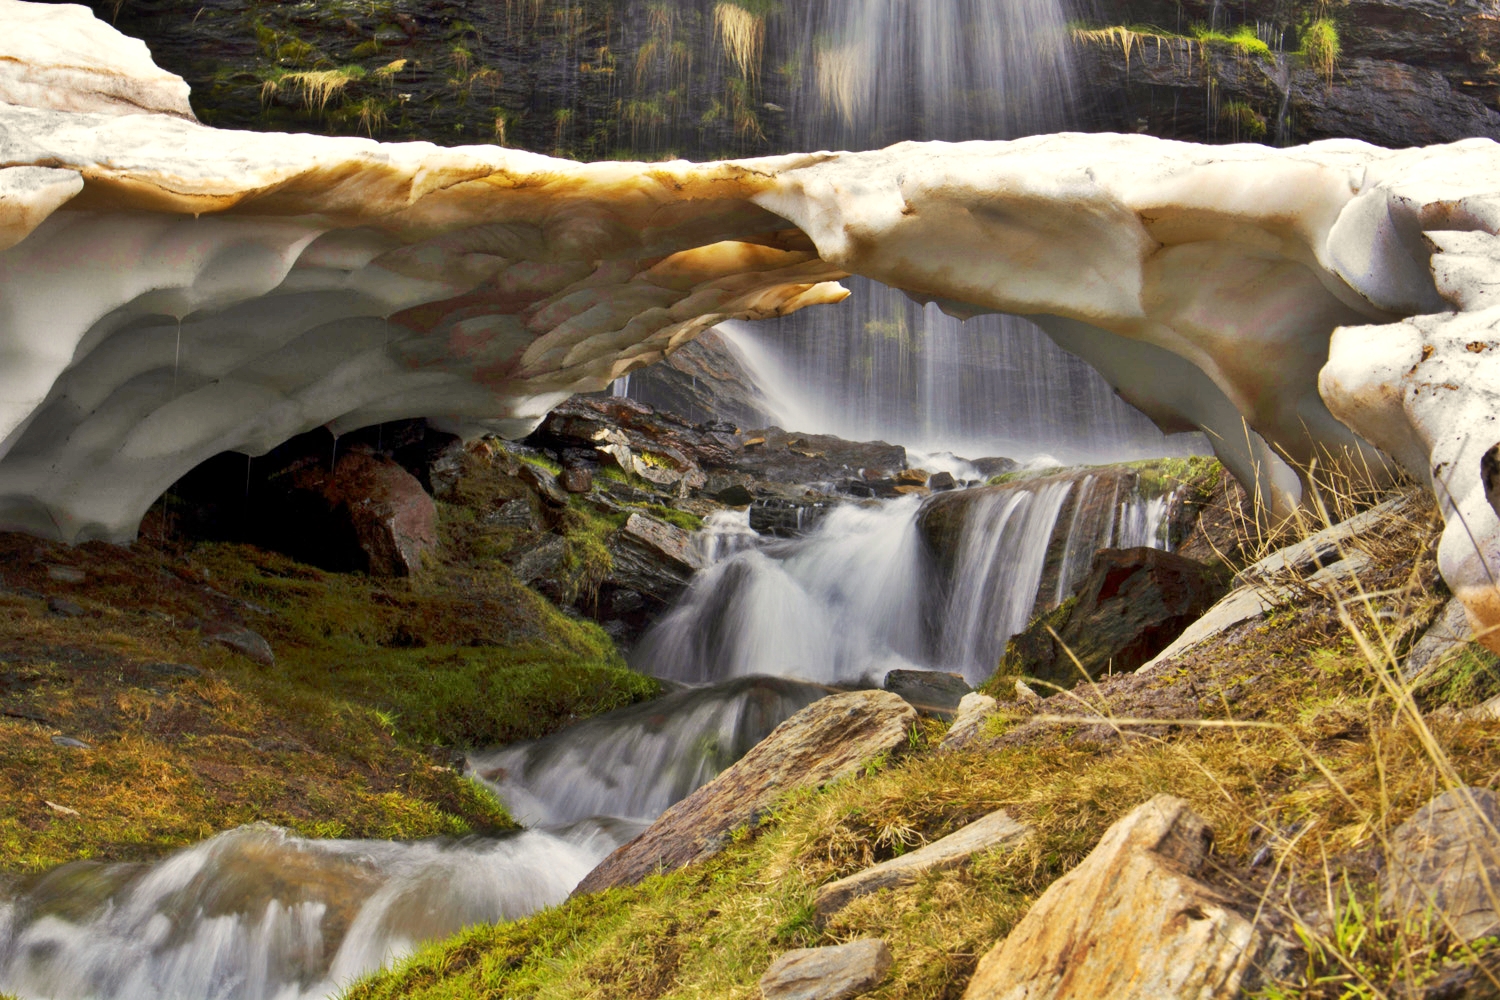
{"x": 835, "y": 973}
{"x": 828, "y": 740}
{"x": 1133, "y": 922}
{"x": 997, "y": 831}
{"x": 968, "y": 722}
{"x": 369, "y": 514}
{"x": 1447, "y": 857}
{"x": 1132, "y": 605}
{"x": 931, "y": 691}
{"x": 577, "y": 478}
{"x": 245, "y": 642}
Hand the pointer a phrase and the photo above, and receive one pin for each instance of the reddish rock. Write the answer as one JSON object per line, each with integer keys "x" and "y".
{"x": 375, "y": 516}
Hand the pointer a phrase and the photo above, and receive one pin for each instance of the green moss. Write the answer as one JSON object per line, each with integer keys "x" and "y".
{"x": 1243, "y": 121}
{"x": 1242, "y": 38}
{"x": 1460, "y": 681}
{"x": 1320, "y": 44}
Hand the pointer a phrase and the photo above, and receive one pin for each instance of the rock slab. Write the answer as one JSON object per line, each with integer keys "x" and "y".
{"x": 1447, "y": 856}
{"x": 1131, "y": 922}
{"x": 846, "y": 970}
{"x": 999, "y": 830}
{"x": 829, "y": 739}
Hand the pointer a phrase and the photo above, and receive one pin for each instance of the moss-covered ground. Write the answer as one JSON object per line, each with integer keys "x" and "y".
{"x": 353, "y": 732}
{"x": 1288, "y": 733}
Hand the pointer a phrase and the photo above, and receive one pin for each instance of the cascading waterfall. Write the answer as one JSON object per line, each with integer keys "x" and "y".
{"x": 259, "y": 914}
{"x": 634, "y": 763}
{"x": 861, "y": 594}
{"x": 1001, "y": 553}
{"x": 842, "y": 604}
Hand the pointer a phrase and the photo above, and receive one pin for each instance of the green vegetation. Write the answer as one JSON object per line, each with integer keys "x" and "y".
{"x": 1244, "y": 122}
{"x": 351, "y": 732}
{"x": 1320, "y": 43}
{"x": 1242, "y": 38}
{"x": 1291, "y": 735}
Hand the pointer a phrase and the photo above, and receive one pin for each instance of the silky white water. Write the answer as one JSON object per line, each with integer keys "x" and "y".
{"x": 259, "y": 914}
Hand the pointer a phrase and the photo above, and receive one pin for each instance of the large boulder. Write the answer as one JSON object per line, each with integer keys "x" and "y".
{"x": 367, "y": 514}
{"x": 1134, "y": 922}
{"x": 828, "y": 740}
{"x": 1132, "y": 605}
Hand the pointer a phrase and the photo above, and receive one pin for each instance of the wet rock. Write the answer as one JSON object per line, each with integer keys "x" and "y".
{"x": 245, "y": 642}
{"x": 1132, "y": 605}
{"x": 997, "y": 831}
{"x": 735, "y": 496}
{"x": 703, "y": 381}
{"x": 63, "y": 608}
{"x": 1447, "y": 857}
{"x": 930, "y": 691}
{"x": 912, "y": 477}
{"x": 787, "y": 518}
{"x": 974, "y": 710}
{"x": 835, "y": 973}
{"x": 942, "y": 481}
{"x": 829, "y": 739}
{"x": 653, "y": 557}
{"x": 1133, "y": 922}
{"x": 544, "y": 483}
{"x": 991, "y": 467}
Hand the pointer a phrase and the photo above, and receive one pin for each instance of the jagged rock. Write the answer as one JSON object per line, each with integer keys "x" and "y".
{"x": 997, "y": 831}
{"x": 912, "y": 477}
{"x": 736, "y": 495}
{"x": 827, "y": 740}
{"x": 703, "y": 381}
{"x": 834, "y": 973}
{"x": 786, "y": 518}
{"x": 541, "y": 561}
{"x": 517, "y": 513}
{"x": 544, "y": 483}
{"x": 1133, "y": 922}
{"x": 1447, "y": 857}
{"x": 60, "y": 56}
{"x": 246, "y": 642}
{"x": 968, "y": 722}
{"x": 1132, "y": 605}
{"x": 1324, "y": 561}
{"x": 928, "y": 690}
{"x": 653, "y": 557}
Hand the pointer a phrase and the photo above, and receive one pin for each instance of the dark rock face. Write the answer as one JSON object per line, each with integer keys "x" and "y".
{"x": 703, "y": 381}
{"x": 1410, "y": 72}
{"x": 1132, "y": 605}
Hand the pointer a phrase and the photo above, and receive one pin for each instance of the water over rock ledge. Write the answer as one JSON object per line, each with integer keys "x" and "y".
{"x": 172, "y": 291}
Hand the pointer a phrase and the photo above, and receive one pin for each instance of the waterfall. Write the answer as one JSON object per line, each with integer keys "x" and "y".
{"x": 844, "y": 603}
{"x": 635, "y": 762}
{"x": 1001, "y": 554}
{"x": 259, "y": 914}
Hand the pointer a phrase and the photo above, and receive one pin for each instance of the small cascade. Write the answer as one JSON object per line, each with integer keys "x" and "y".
{"x": 843, "y": 603}
{"x": 1143, "y": 522}
{"x": 635, "y": 762}
{"x": 725, "y": 532}
{"x": 260, "y": 914}
{"x": 1001, "y": 555}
